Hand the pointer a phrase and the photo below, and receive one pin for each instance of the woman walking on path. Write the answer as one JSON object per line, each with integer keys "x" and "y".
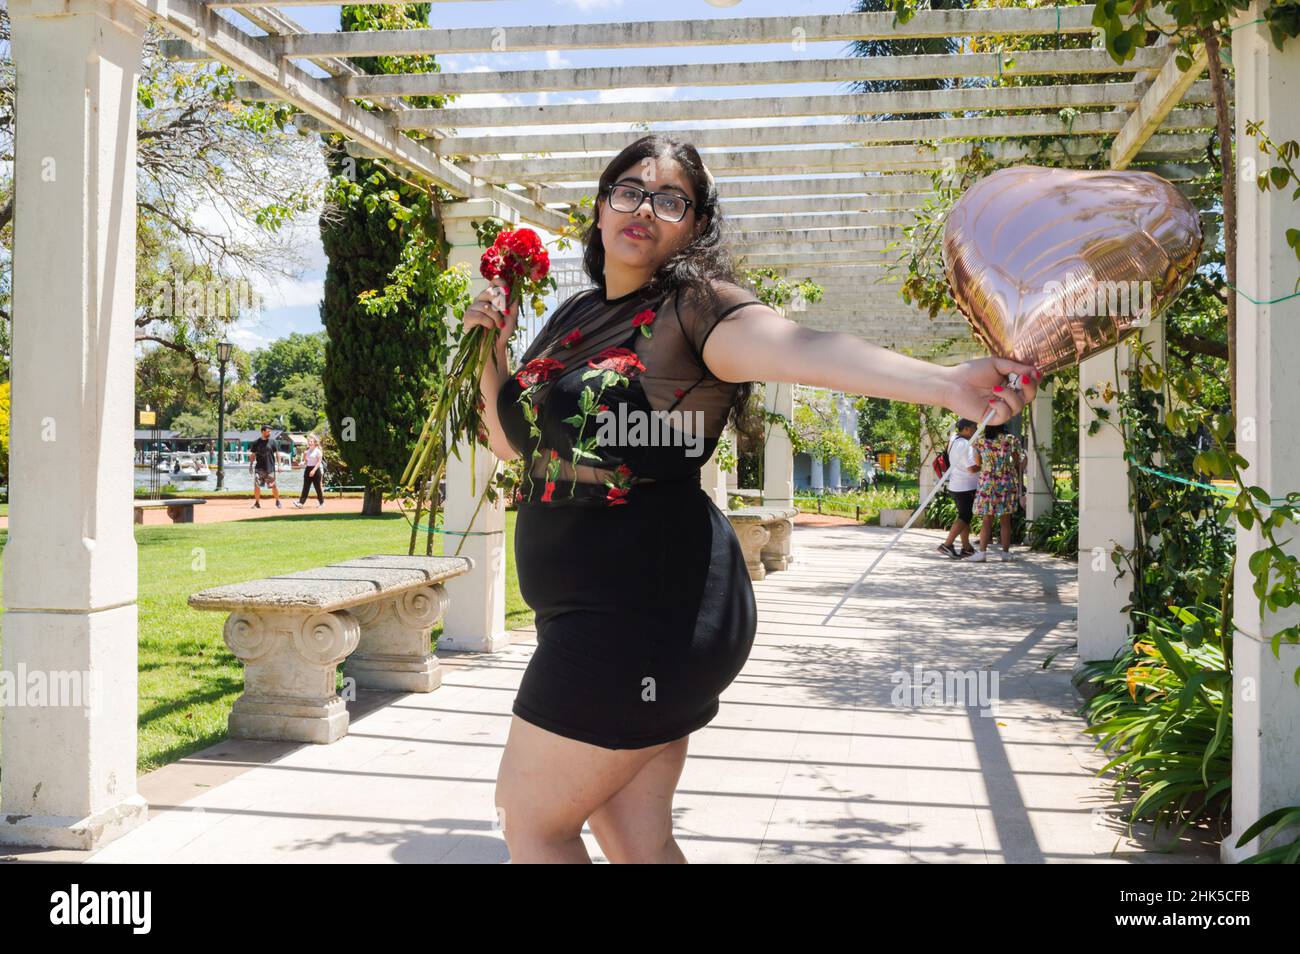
{"x": 962, "y": 486}
{"x": 1001, "y": 463}
{"x": 645, "y": 612}
{"x": 313, "y": 473}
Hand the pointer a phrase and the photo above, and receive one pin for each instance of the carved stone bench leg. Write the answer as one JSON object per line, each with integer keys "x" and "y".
{"x": 776, "y": 555}
{"x": 753, "y": 537}
{"x": 394, "y": 652}
{"x": 290, "y": 665}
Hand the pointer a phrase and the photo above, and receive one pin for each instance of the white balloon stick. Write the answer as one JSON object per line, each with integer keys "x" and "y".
{"x": 1013, "y": 381}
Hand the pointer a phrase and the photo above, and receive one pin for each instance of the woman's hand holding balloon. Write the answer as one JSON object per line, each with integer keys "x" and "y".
{"x": 976, "y": 387}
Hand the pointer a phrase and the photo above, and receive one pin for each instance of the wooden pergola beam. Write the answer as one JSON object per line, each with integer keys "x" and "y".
{"x": 1167, "y": 90}
{"x": 250, "y": 56}
{"x": 672, "y": 34}
{"x": 1124, "y": 95}
{"x": 890, "y": 158}
{"x": 892, "y": 131}
{"x": 763, "y": 73}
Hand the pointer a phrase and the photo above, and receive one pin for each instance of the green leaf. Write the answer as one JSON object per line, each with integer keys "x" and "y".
{"x": 1259, "y": 562}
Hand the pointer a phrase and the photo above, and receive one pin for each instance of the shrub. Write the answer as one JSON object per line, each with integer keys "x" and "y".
{"x": 1057, "y": 531}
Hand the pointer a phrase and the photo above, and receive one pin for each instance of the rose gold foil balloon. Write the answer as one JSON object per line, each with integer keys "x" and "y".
{"x": 1051, "y": 266}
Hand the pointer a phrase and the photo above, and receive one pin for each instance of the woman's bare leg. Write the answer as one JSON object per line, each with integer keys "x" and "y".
{"x": 636, "y": 825}
{"x": 986, "y": 532}
{"x": 1006, "y": 531}
{"x": 548, "y": 785}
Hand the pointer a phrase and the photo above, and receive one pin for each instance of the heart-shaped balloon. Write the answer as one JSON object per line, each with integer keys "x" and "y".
{"x": 1051, "y": 266}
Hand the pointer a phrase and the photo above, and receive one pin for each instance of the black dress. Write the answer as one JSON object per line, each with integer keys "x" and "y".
{"x": 644, "y": 607}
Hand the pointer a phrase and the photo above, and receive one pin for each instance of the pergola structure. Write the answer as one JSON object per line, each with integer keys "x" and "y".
{"x": 819, "y": 199}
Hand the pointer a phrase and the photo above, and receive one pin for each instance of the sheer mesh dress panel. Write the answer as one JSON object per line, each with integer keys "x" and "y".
{"x": 662, "y": 424}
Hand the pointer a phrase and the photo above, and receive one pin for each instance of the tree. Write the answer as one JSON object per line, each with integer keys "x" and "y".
{"x": 175, "y": 385}
{"x": 286, "y": 358}
{"x": 380, "y": 367}
{"x": 216, "y": 181}
{"x": 894, "y": 424}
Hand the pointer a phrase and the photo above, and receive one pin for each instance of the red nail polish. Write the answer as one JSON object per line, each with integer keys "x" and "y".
{"x": 997, "y": 387}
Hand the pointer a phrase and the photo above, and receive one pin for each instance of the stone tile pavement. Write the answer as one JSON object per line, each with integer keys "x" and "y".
{"x": 809, "y": 759}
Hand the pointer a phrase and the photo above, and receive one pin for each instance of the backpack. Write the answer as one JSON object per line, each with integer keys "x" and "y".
{"x": 941, "y": 463}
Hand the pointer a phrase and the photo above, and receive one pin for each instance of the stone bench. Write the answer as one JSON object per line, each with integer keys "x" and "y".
{"x": 292, "y": 631}
{"x": 764, "y": 534}
{"x": 181, "y": 510}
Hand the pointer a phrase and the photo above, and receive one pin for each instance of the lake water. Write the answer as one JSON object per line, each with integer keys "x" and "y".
{"x": 237, "y": 477}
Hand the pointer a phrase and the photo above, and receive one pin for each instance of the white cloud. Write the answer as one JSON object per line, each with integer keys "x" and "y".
{"x": 246, "y": 338}
{"x": 291, "y": 292}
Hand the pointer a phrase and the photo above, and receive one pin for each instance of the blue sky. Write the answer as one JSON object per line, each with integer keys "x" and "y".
{"x": 292, "y": 306}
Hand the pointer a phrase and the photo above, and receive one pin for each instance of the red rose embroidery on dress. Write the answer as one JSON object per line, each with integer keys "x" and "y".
{"x": 618, "y": 485}
{"x": 572, "y": 338}
{"x": 678, "y": 392}
{"x": 537, "y": 371}
{"x": 643, "y": 320}
{"x": 620, "y": 360}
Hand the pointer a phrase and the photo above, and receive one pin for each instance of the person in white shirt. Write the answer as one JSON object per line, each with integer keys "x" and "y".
{"x": 312, "y": 473}
{"x": 962, "y": 485}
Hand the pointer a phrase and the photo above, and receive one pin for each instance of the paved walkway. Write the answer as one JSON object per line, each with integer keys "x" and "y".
{"x": 809, "y": 759}
{"x": 224, "y": 509}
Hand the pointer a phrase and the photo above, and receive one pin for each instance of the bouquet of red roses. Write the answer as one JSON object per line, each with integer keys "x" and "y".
{"x": 519, "y": 257}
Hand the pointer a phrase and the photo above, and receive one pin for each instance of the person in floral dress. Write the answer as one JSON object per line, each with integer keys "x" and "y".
{"x": 1001, "y": 462}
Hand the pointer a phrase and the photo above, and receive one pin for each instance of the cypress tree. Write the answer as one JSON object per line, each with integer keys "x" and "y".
{"x": 378, "y": 368}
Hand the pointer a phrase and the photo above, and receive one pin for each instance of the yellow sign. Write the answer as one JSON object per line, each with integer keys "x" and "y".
{"x": 148, "y": 417}
{"x": 886, "y": 461}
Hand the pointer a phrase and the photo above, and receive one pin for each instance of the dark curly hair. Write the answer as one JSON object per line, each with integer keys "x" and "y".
{"x": 692, "y": 268}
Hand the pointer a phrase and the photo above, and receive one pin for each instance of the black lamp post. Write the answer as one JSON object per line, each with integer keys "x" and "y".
{"x": 223, "y": 355}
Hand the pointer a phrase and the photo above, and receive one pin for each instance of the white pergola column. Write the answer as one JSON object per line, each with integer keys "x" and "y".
{"x": 69, "y": 760}
{"x": 816, "y": 474}
{"x": 1105, "y": 514}
{"x": 713, "y": 479}
{"x": 1038, "y": 475}
{"x": 778, "y": 452}
{"x": 476, "y": 614}
{"x": 1266, "y": 702}
{"x": 833, "y": 478}
{"x": 927, "y": 475}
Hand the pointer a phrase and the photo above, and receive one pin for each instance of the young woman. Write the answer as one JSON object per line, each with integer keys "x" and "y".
{"x": 312, "y": 472}
{"x": 644, "y": 609}
{"x": 1000, "y": 462}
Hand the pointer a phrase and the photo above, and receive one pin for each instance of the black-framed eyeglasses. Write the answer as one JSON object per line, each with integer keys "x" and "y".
{"x": 666, "y": 205}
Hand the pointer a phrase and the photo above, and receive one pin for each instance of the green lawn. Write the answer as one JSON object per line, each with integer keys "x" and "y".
{"x": 188, "y": 678}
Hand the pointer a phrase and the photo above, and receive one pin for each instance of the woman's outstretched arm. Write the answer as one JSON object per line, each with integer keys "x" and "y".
{"x": 760, "y": 345}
